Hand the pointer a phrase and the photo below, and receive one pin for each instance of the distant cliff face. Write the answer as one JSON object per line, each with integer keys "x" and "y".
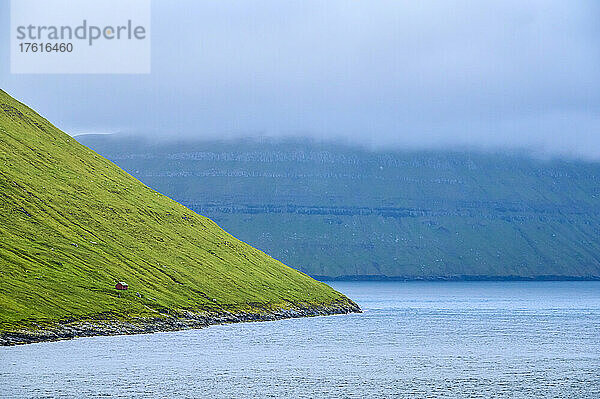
{"x": 332, "y": 210}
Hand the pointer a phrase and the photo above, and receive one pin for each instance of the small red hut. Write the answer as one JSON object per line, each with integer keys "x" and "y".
{"x": 121, "y": 286}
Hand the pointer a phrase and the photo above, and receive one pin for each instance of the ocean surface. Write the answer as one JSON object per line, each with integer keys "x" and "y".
{"x": 414, "y": 340}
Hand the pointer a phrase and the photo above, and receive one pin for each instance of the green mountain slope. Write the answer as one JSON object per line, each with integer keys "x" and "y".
{"x": 72, "y": 224}
{"x": 341, "y": 211}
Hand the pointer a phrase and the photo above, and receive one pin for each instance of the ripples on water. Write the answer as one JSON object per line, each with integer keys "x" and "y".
{"x": 415, "y": 340}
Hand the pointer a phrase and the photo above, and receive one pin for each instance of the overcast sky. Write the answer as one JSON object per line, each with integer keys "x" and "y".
{"x": 488, "y": 74}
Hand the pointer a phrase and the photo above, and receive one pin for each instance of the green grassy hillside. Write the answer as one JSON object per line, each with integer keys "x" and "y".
{"x": 337, "y": 210}
{"x": 72, "y": 224}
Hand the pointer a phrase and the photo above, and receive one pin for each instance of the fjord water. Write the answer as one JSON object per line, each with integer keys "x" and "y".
{"x": 414, "y": 339}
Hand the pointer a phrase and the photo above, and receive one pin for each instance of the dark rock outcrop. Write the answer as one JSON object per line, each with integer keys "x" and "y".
{"x": 183, "y": 321}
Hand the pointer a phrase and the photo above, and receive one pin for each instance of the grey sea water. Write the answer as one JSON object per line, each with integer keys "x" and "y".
{"x": 414, "y": 340}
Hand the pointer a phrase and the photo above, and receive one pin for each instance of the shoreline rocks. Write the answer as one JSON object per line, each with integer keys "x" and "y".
{"x": 185, "y": 321}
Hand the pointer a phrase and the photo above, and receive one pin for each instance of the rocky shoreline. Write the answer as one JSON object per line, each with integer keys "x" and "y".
{"x": 188, "y": 320}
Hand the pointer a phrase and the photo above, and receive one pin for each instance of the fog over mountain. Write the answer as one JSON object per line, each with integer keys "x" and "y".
{"x": 335, "y": 211}
{"x": 494, "y": 74}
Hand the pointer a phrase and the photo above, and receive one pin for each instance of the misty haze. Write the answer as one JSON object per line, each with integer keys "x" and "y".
{"x": 507, "y": 74}
{"x": 301, "y": 199}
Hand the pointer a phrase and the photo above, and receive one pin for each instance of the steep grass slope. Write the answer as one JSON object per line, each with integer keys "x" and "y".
{"x": 72, "y": 224}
